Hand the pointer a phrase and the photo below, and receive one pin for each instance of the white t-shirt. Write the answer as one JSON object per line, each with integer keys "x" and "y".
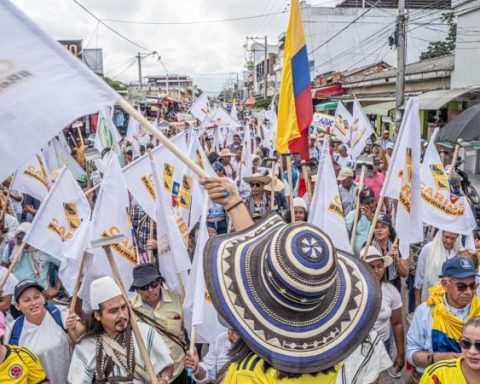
{"x": 83, "y": 365}
{"x": 8, "y": 289}
{"x": 49, "y": 342}
{"x": 391, "y": 300}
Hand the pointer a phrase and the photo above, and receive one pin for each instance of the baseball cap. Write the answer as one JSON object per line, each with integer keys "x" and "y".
{"x": 367, "y": 196}
{"x": 344, "y": 174}
{"x": 390, "y": 146}
{"x": 459, "y": 267}
{"x": 24, "y": 285}
{"x": 384, "y": 218}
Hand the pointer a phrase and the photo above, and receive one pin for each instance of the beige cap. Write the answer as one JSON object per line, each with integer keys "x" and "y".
{"x": 102, "y": 290}
{"x": 344, "y": 174}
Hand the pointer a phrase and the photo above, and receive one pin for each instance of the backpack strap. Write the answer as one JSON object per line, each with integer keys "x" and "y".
{"x": 56, "y": 314}
{"x": 16, "y": 330}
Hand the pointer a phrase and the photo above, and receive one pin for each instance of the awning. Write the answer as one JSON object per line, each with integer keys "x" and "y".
{"x": 324, "y": 92}
{"x": 434, "y": 100}
{"x": 380, "y": 108}
{"x": 324, "y": 106}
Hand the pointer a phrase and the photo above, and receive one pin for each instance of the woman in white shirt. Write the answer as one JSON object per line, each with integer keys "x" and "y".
{"x": 390, "y": 316}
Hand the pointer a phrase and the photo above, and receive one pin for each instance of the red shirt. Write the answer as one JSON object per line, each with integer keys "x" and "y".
{"x": 375, "y": 183}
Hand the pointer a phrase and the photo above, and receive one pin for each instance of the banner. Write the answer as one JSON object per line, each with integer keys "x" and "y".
{"x": 61, "y": 214}
{"x": 403, "y": 180}
{"x": 361, "y": 130}
{"x": 323, "y": 122}
{"x": 326, "y": 211}
{"x": 173, "y": 259}
{"x": 107, "y": 135}
{"x": 111, "y": 216}
{"x": 199, "y": 310}
{"x": 200, "y": 108}
{"x": 440, "y": 208}
{"x": 32, "y": 178}
{"x": 342, "y": 127}
{"x": 43, "y": 88}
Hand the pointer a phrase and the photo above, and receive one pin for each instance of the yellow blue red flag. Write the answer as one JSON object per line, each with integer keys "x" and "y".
{"x": 295, "y": 109}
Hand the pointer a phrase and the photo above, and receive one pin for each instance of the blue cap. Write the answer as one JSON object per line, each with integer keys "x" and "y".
{"x": 458, "y": 267}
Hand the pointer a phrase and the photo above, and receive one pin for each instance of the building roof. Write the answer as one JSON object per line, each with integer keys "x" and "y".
{"x": 410, "y": 4}
{"x": 443, "y": 63}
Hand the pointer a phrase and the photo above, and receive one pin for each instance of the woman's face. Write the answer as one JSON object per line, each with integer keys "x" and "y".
{"x": 31, "y": 302}
{"x": 299, "y": 214}
{"x": 378, "y": 269}
{"x": 471, "y": 356}
{"x": 381, "y": 231}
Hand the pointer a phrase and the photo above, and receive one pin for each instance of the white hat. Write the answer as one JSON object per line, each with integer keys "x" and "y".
{"x": 344, "y": 174}
{"x": 390, "y": 146}
{"x": 23, "y": 228}
{"x": 373, "y": 254}
{"x": 102, "y": 290}
{"x": 300, "y": 203}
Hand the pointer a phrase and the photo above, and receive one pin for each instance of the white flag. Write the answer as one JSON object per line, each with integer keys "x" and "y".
{"x": 403, "y": 180}
{"x": 223, "y": 119}
{"x": 271, "y": 134}
{"x": 107, "y": 135}
{"x": 199, "y": 310}
{"x": 35, "y": 70}
{"x": 57, "y": 157}
{"x": 62, "y": 213}
{"x": 200, "y": 108}
{"x": 440, "y": 208}
{"x": 173, "y": 259}
{"x": 111, "y": 217}
{"x": 32, "y": 178}
{"x": 134, "y": 127}
{"x": 361, "y": 130}
{"x": 343, "y": 123}
{"x": 233, "y": 112}
{"x": 139, "y": 175}
{"x": 326, "y": 211}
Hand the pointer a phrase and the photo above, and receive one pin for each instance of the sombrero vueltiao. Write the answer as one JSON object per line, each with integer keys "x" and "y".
{"x": 297, "y": 303}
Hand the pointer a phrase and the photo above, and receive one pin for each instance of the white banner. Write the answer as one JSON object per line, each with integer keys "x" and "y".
{"x": 200, "y": 108}
{"x": 43, "y": 88}
{"x": 326, "y": 211}
{"x": 361, "y": 130}
{"x": 62, "y": 213}
{"x": 440, "y": 208}
{"x": 32, "y": 178}
{"x": 342, "y": 127}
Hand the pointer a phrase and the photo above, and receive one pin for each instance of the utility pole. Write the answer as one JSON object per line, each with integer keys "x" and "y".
{"x": 401, "y": 58}
{"x": 139, "y": 60}
{"x": 266, "y": 69}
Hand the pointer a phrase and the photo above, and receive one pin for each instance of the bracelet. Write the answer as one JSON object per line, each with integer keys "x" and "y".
{"x": 235, "y": 205}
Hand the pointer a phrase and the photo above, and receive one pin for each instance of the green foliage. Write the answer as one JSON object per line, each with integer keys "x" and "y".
{"x": 262, "y": 103}
{"x": 446, "y": 47}
{"x": 115, "y": 84}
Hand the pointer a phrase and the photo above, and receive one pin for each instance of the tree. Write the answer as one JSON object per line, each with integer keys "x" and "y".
{"x": 262, "y": 103}
{"x": 446, "y": 47}
{"x": 115, "y": 84}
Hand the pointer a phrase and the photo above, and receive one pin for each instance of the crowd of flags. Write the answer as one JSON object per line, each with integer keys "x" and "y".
{"x": 44, "y": 74}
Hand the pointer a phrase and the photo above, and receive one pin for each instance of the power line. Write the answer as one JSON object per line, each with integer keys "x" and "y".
{"x": 191, "y": 21}
{"x": 110, "y": 28}
{"x": 344, "y": 28}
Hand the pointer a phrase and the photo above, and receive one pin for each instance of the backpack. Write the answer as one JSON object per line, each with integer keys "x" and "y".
{"x": 18, "y": 326}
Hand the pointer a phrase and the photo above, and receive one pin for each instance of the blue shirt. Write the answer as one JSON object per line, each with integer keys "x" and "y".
{"x": 363, "y": 227}
{"x": 419, "y": 335}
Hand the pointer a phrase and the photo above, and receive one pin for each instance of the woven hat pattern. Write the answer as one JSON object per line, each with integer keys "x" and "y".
{"x": 296, "y": 303}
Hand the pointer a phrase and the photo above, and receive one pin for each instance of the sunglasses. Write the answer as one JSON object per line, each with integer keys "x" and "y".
{"x": 153, "y": 284}
{"x": 258, "y": 185}
{"x": 463, "y": 287}
{"x": 467, "y": 344}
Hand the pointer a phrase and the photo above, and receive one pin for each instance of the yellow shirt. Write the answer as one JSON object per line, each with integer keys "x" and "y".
{"x": 250, "y": 371}
{"x": 169, "y": 314}
{"x": 444, "y": 372}
{"x": 21, "y": 367}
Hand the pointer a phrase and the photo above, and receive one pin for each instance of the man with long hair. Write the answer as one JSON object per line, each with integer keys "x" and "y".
{"x": 108, "y": 352}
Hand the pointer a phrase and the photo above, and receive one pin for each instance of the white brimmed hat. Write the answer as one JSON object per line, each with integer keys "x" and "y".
{"x": 344, "y": 174}
{"x": 300, "y": 203}
{"x": 102, "y": 290}
{"x": 373, "y": 254}
{"x": 278, "y": 185}
{"x": 257, "y": 178}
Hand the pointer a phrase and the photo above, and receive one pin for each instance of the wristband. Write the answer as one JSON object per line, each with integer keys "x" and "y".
{"x": 235, "y": 205}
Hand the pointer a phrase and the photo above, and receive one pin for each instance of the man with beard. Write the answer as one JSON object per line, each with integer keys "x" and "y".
{"x": 108, "y": 352}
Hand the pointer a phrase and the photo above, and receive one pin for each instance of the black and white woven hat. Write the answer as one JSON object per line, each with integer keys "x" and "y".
{"x": 297, "y": 303}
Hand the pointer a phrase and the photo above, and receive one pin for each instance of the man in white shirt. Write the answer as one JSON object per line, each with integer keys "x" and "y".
{"x": 105, "y": 352}
{"x": 347, "y": 190}
{"x": 343, "y": 159}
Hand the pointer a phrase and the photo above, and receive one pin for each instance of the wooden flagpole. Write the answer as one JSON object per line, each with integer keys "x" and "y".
{"x": 357, "y": 206}
{"x": 73, "y": 304}
{"x": 16, "y": 258}
{"x": 133, "y": 320}
{"x": 306, "y": 178}
{"x": 290, "y": 184}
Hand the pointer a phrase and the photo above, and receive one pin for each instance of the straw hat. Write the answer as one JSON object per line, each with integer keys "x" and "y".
{"x": 257, "y": 178}
{"x": 225, "y": 152}
{"x": 373, "y": 254}
{"x": 278, "y": 184}
{"x": 297, "y": 302}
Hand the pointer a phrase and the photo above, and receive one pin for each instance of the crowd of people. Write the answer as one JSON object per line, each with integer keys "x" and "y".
{"x": 296, "y": 309}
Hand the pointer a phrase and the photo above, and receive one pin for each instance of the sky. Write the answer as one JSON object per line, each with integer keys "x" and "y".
{"x": 198, "y": 50}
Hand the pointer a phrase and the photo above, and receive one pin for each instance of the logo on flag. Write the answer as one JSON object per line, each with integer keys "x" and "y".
{"x": 147, "y": 182}
{"x": 124, "y": 249}
{"x": 10, "y": 77}
{"x": 336, "y": 206}
{"x": 36, "y": 174}
{"x": 73, "y": 218}
{"x": 342, "y": 125}
{"x": 438, "y": 174}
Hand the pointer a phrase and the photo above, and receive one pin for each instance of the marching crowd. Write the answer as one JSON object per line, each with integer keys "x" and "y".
{"x": 295, "y": 309}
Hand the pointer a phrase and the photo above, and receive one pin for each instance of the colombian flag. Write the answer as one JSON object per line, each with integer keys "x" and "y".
{"x": 295, "y": 110}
